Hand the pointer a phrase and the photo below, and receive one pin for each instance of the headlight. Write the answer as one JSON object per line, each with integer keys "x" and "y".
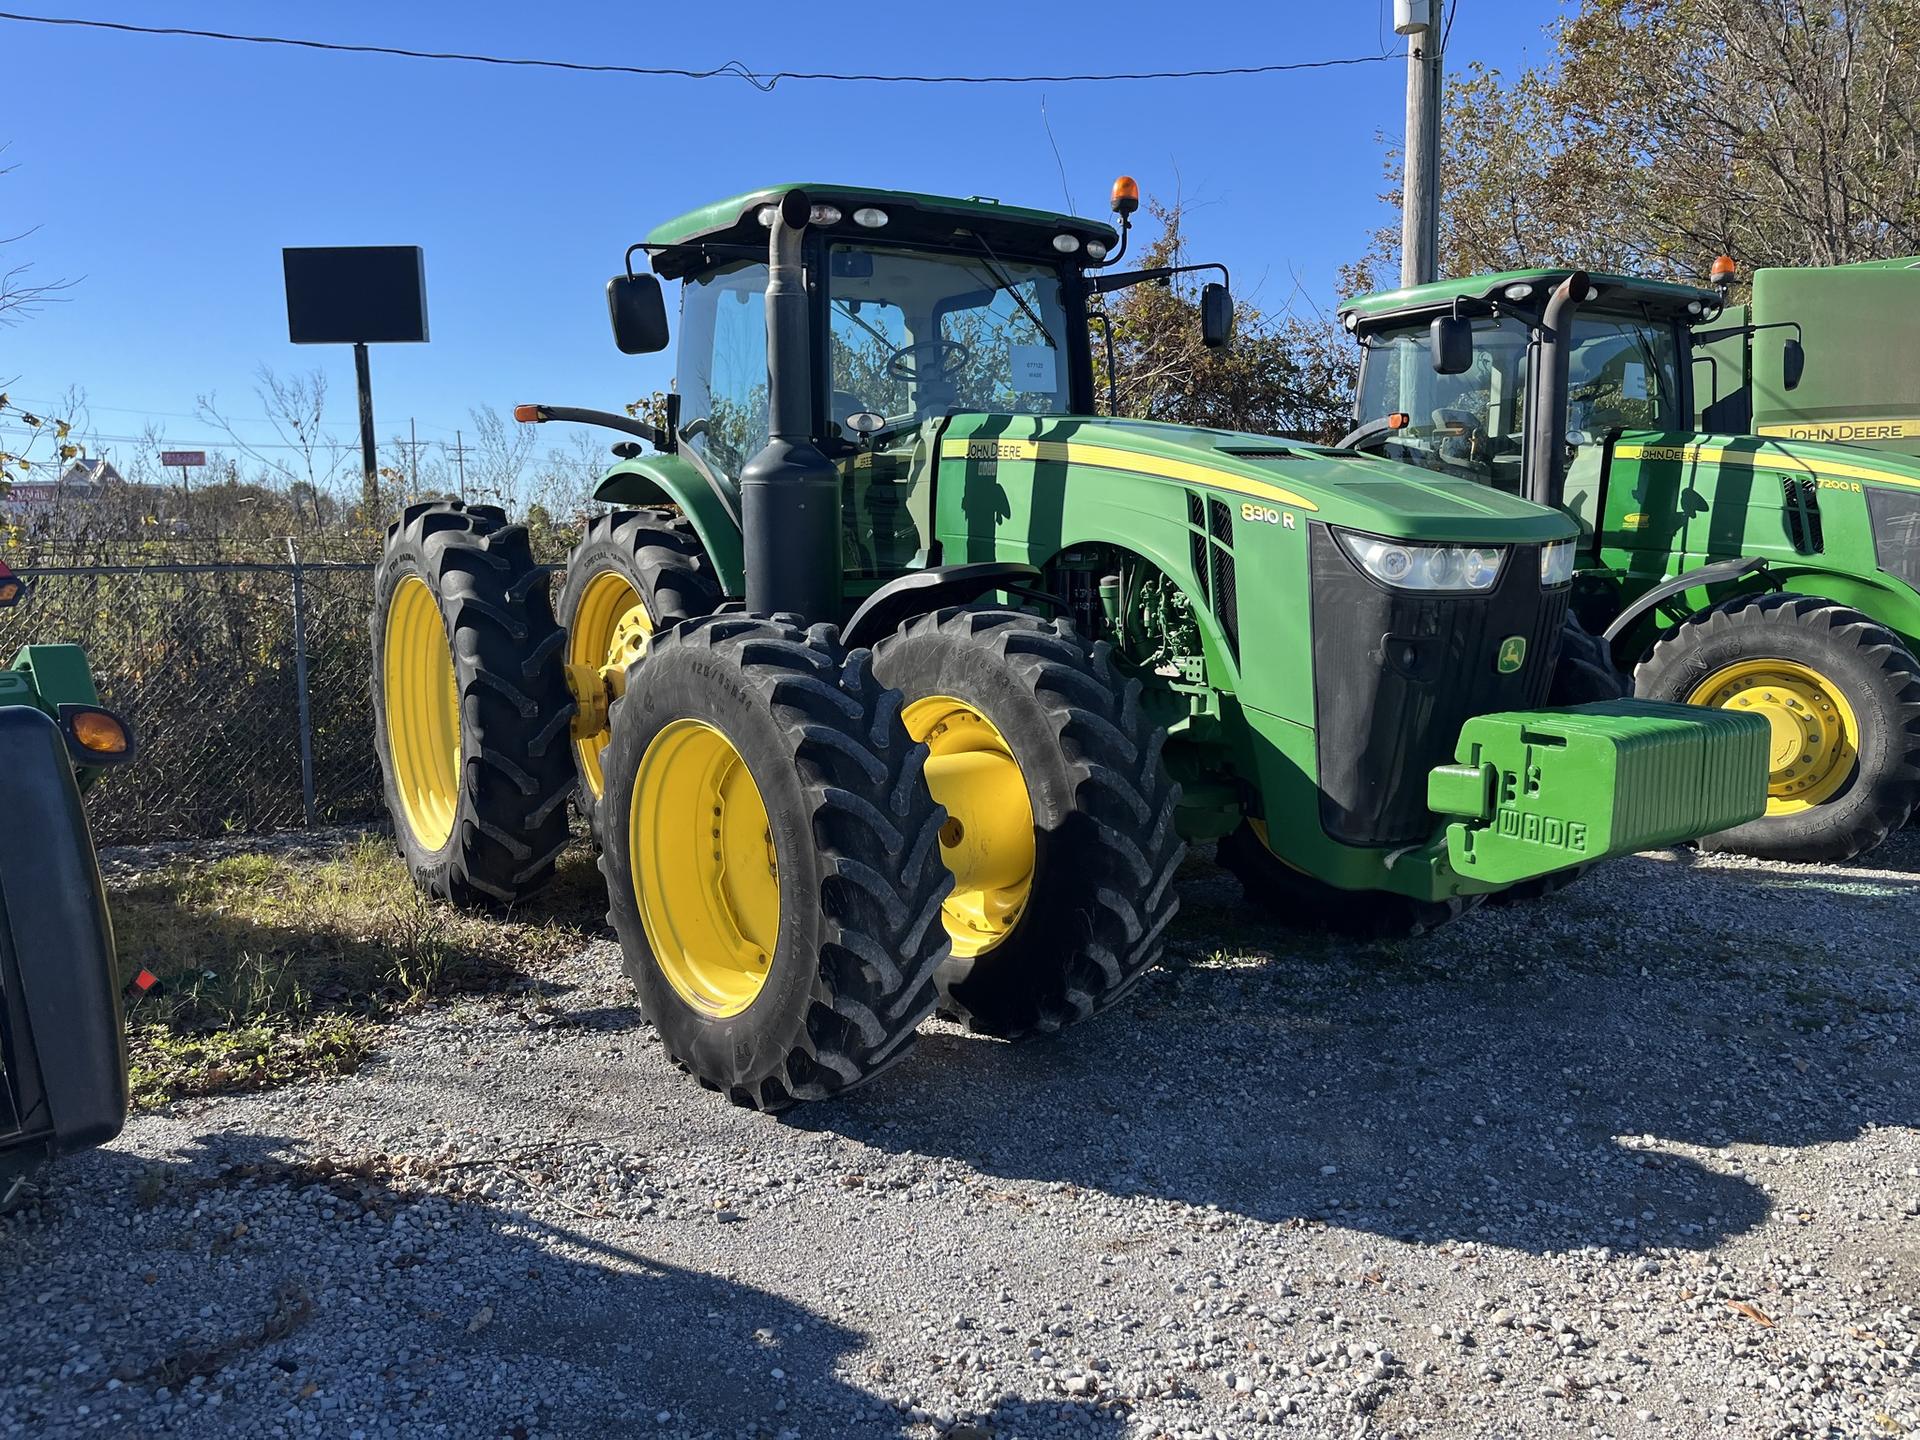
{"x": 1424, "y": 567}
{"x": 1556, "y": 562}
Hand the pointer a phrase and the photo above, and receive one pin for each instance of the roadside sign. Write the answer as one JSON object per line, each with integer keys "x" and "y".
{"x": 181, "y": 459}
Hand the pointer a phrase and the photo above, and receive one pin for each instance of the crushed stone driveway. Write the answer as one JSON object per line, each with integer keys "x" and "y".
{"x": 1637, "y": 1160}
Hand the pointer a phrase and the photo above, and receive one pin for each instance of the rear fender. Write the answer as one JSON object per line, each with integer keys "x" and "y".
{"x": 671, "y": 480}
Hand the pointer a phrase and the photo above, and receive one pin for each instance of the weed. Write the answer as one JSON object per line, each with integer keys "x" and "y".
{"x": 275, "y": 967}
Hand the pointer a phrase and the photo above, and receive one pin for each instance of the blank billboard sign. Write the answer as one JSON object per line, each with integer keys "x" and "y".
{"x": 356, "y": 294}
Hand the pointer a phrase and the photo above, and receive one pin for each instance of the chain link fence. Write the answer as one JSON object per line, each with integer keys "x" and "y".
{"x": 247, "y": 682}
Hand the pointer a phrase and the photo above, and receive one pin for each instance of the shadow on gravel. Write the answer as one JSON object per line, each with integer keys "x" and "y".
{"x": 1492, "y": 1083}
{"x": 354, "y": 1296}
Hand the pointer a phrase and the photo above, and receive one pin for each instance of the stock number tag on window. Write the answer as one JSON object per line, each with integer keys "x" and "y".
{"x": 1033, "y": 369}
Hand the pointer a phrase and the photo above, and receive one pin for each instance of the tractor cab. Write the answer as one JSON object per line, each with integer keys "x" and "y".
{"x": 929, "y": 308}
{"x": 916, "y": 309}
{"x": 1468, "y": 413}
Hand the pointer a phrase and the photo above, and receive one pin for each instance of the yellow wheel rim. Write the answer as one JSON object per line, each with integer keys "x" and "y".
{"x": 422, "y": 703}
{"x": 704, "y": 870}
{"x": 987, "y": 841}
{"x": 610, "y": 630}
{"x": 1815, "y": 735}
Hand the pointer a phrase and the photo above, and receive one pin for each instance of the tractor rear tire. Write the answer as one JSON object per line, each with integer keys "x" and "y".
{"x": 772, "y": 859}
{"x": 1843, "y": 694}
{"x": 1299, "y": 900}
{"x": 1061, "y": 814}
{"x": 634, "y": 574}
{"x": 470, "y": 704}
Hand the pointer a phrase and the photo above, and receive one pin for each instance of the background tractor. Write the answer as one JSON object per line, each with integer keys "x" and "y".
{"x": 904, "y": 676}
{"x": 63, "y": 1064}
{"x": 1770, "y": 576}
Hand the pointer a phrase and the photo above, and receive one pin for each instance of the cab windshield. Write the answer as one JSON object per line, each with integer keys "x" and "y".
{"x": 913, "y": 335}
{"x": 1623, "y": 374}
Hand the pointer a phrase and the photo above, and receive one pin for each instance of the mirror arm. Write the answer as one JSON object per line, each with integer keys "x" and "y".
{"x": 540, "y": 414}
{"x": 1727, "y": 332}
{"x": 1105, "y": 284}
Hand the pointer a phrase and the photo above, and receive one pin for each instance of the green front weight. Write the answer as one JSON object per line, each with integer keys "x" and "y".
{"x": 1544, "y": 790}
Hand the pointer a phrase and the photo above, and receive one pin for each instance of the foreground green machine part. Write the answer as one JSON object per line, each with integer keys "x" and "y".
{"x": 63, "y": 1067}
{"x": 1772, "y": 576}
{"x": 902, "y": 675}
{"x": 1858, "y": 327}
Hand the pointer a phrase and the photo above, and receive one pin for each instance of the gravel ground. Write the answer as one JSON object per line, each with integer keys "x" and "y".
{"x": 1640, "y": 1160}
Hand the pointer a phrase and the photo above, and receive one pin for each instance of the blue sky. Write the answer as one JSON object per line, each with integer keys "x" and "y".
{"x": 165, "y": 174}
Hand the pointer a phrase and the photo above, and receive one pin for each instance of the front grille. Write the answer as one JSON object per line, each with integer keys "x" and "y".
{"x": 1896, "y": 531}
{"x": 1396, "y": 674}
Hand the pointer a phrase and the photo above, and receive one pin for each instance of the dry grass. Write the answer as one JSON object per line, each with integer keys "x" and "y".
{"x": 274, "y": 967}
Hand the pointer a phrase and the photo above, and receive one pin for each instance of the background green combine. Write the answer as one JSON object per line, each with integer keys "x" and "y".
{"x": 1756, "y": 565}
{"x": 904, "y": 676}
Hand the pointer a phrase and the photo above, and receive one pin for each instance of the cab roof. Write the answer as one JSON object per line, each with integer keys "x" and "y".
{"x": 1439, "y": 294}
{"x": 679, "y": 245}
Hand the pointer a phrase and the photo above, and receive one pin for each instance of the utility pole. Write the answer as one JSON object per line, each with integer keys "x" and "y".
{"x": 1420, "y": 22}
{"x": 459, "y": 452}
{"x": 413, "y": 459}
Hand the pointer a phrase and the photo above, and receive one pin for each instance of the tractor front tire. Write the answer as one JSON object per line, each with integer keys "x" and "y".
{"x": 1843, "y": 696}
{"x": 1060, "y": 827}
{"x": 772, "y": 859}
{"x": 1584, "y": 671}
{"x": 470, "y": 704}
{"x": 1299, "y": 900}
{"x": 634, "y": 574}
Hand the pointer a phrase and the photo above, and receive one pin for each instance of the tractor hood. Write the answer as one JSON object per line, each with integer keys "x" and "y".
{"x": 1338, "y": 487}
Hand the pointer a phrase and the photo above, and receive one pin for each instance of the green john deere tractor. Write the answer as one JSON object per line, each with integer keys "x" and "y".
{"x": 905, "y": 676}
{"x": 1769, "y": 576}
{"x": 63, "y": 1064}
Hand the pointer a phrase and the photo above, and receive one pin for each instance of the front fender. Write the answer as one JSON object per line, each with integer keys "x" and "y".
{"x": 669, "y": 480}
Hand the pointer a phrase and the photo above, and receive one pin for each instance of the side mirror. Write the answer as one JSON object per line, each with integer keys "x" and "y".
{"x": 1216, "y": 315}
{"x": 639, "y": 313}
{"x": 1450, "y": 344}
{"x": 1793, "y": 364}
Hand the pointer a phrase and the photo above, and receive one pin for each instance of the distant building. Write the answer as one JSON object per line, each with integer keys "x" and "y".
{"x": 36, "y": 505}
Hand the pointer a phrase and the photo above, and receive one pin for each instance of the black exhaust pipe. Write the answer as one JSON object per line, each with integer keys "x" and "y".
{"x": 1547, "y": 408}
{"x": 790, "y": 492}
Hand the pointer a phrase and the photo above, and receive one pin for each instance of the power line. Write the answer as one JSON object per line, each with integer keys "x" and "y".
{"x": 47, "y": 408}
{"x": 760, "y": 80}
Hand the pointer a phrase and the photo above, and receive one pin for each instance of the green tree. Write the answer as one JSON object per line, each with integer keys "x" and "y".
{"x": 1284, "y": 376}
{"x": 1660, "y": 133}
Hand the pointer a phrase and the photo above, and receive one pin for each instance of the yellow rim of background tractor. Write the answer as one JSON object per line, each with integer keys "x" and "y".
{"x": 422, "y": 702}
{"x": 705, "y": 875}
{"x": 1816, "y": 738}
{"x": 987, "y": 841}
{"x": 610, "y": 630}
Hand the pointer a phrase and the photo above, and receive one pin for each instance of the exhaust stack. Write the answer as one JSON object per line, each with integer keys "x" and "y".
{"x": 790, "y": 492}
{"x": 1547, "y": 454}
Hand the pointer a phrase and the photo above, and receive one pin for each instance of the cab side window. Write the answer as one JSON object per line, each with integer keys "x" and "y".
{"x": 723, "y": 372}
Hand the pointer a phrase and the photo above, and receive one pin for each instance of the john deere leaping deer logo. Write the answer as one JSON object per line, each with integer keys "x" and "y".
{"x": 1513, "y": 654}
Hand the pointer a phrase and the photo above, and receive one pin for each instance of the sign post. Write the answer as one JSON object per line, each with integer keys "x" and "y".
{"x": 358, "y": 295}
{"x": 183, "y": 461}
